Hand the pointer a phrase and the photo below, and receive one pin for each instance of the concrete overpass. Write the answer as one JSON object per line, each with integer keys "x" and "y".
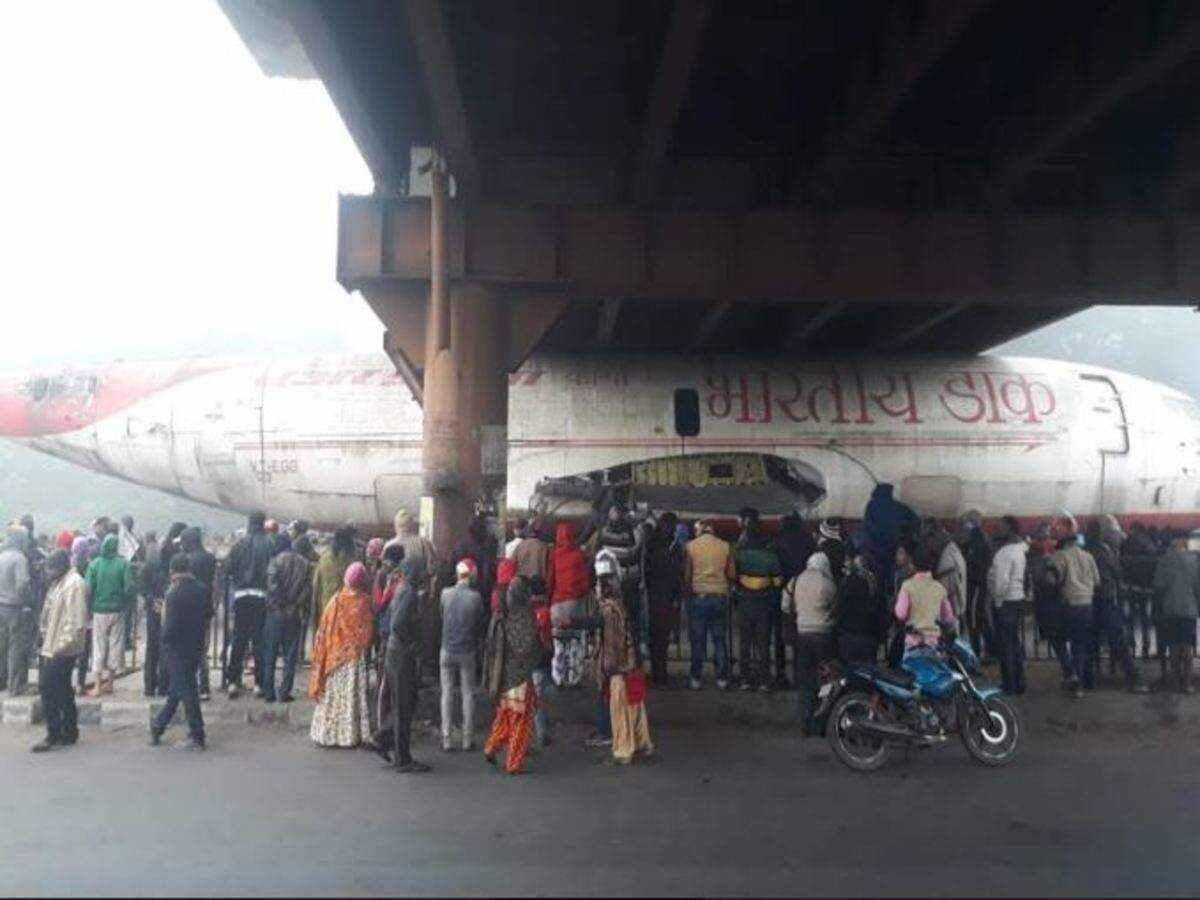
{"x": 925, "y": 175}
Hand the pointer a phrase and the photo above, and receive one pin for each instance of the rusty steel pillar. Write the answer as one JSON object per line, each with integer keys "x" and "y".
{"x": 466, "y": 392}
{"x": 481, "y": 328}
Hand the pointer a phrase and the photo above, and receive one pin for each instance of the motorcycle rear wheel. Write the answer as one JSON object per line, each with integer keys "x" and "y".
{"x": 861, "y": 751}
{"x": 992, "y": 742}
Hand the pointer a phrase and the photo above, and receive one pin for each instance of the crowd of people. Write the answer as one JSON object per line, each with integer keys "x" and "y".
{"x": 73, "y": 604}
{"x": 554, "y": 608}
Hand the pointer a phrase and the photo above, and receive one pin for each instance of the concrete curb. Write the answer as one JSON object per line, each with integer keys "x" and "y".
{"x": 1046, "y": 710}
{"x": 118, "y": 713}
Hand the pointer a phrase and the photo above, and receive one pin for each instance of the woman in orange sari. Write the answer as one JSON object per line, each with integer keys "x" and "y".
{"x": 339, "y": 668}
{"x": 513, "y": 652}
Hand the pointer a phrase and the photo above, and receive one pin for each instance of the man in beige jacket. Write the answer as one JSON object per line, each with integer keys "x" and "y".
{"x": 1077, "y": 576}
{"x": 64, "y": 618}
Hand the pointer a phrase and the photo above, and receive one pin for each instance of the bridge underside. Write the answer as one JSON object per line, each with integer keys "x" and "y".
{"x": 868, "y": 175}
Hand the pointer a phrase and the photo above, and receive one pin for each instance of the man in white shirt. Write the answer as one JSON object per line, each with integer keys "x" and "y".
{"x": 519, "y": 529}
{"x": 1006, "y": 587}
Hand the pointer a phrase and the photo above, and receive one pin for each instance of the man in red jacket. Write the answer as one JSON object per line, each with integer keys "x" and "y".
{"x": 568, "y": 585}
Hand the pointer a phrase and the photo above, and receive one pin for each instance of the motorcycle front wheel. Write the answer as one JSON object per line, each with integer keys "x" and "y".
{"x": 992, "y": 738}
{"x": 859, "y": 749}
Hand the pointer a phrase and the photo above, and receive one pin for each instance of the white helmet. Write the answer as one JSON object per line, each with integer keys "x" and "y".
{"x": 606, "y": 565}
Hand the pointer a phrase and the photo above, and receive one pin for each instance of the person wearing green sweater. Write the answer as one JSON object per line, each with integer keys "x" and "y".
{"x": 330, "y": 570}
{"x": 110, "y": 589}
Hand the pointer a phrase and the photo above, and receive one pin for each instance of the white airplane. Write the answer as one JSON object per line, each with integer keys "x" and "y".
{"x": 337, "y": 439}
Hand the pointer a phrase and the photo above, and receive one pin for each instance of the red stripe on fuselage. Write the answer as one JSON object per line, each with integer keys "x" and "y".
{"x": 44, "y": 405}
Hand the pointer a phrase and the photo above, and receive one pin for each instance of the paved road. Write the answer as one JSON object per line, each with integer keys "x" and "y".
{"x": 264, "y": 812}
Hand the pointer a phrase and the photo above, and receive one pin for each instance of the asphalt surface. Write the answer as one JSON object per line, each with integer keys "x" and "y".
{"x": 724, "y": 812}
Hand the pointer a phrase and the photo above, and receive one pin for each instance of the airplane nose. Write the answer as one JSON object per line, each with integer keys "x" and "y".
{"x": 15, "y": 407}
{"x": 33, "y": 405}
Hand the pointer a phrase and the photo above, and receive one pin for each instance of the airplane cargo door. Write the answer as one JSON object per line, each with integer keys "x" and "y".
{"x": 1105, "y": 431}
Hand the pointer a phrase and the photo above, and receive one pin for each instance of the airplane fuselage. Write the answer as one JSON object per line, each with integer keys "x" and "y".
{"x": 336, "y": 439}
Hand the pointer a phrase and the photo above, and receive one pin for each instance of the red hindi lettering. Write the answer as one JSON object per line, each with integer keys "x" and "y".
{"x": 765, "y": 380}
{"x": 958, "y": 387}
{"x": 788, "y": 407}
{"x": 719, "y": 401}
{"x": 743, "y": 396}
{"x": 902, "y": 385}
{"x": 994, "y": 418}
{"x": 832, "y": 390}
{"x": 1020, "y": 398}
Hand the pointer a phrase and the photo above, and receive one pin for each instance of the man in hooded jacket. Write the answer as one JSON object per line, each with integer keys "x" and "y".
{"x": 15, "y": 586}
{"x": 886, "y": 520}
{"x": 111, "y": 588}
{"x": 37, "y": 590}
{"x": 1177, "y": 600}
{"x": 568, "y": 586}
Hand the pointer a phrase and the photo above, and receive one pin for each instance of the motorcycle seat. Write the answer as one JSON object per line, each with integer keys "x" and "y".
{"x": 893, "y": 676}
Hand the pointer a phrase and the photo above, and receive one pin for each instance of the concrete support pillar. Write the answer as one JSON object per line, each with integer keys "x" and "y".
{"x": 466, "y": 394}
{"x": 466, "y": 413}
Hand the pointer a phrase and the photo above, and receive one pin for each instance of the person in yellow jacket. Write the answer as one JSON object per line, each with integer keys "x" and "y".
{"x": 707, "y": 578}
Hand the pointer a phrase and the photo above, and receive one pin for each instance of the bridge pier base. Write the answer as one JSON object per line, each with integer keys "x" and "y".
{"x": 466, "y": 415}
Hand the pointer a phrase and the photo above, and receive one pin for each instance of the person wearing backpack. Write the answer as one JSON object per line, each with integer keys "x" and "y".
{"x": 1047, "y": 602}
{"x": 808, "y": 600}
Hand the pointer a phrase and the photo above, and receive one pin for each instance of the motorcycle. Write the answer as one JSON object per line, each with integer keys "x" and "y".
{"x": 869, "y": 710}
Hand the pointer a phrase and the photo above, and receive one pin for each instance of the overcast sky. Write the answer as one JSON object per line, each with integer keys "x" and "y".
{"x": 160, "y": 194}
